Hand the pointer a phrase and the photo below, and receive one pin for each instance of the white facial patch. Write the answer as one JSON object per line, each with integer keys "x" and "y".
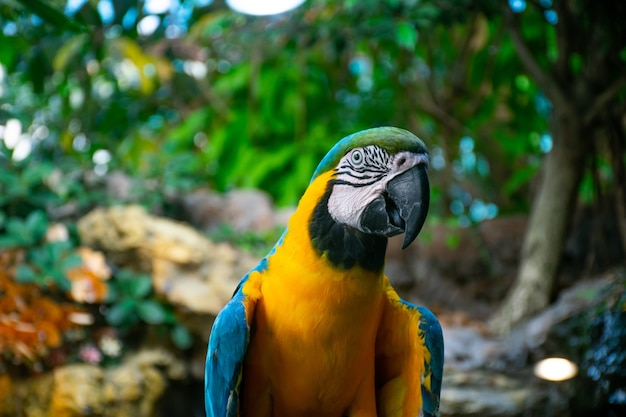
{"x": 362, "y": 176}
{"x": 347, "y": 202}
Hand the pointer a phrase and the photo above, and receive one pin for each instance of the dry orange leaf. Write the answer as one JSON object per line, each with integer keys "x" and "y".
{"x": 88, "y": 279}
{"x": 30, "y": 322}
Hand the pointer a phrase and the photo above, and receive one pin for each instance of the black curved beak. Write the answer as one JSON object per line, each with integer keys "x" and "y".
{"x": 402, "y": 208}
{"x": 410, "y": 191}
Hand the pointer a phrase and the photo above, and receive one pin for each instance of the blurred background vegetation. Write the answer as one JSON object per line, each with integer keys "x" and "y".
{"x": 180, "y": 94}
{"x": 185, "y": 93}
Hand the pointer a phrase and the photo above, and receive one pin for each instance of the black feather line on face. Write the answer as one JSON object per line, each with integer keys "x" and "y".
{"x": 344, "y": 246}
{"x": 356, "y": 184}
{"x": 375, "y": 177}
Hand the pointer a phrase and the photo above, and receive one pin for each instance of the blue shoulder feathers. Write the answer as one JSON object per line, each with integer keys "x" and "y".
{"x": 227, "y": 348}
{"x": 433, "y": 340}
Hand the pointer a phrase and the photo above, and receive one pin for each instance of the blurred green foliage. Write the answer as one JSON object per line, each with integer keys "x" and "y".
{"x": 37, "y": 253}
{"x": 46, "y": 262}
{"x": 212, "y": 97}
{"x": 133, "y": 302}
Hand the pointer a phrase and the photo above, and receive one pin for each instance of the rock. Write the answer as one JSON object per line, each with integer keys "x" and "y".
{"x": 204, "y": 208}
{"x": 518, "y": 398}
{"x": 244, "y": 210}
{"x": 25, "y": 397}
{"x": 282, "y": 216}
{"x": 483, "y": 402}
{"x": 78, "y": 390}
{"x": 131, "y": 389}
{"x": 249, "y": 210}
{"x": 465, "y": 348}
{"x": 471, "y": 387}
{"x": 119, "y": 186}
{"x": 188, "y": 269}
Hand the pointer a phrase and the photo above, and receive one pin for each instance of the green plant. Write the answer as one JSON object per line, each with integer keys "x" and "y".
{"x": 52, "y": 264}
{"x": 133, "y": 301}
{"x": 46, "y": 262}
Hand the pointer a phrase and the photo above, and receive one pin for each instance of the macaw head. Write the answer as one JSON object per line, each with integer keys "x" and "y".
{"x": 378, "y": 187}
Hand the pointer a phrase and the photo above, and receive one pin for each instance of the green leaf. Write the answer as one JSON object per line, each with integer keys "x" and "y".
{"x": 70, "y": 52}
{"x": 181, "y": 337}
{"x": 151, "y": 312}
{"x": 8, "y": 178}
{"x": 72, "y": 261}
{"x": 34, "y": 175}
{"x": 587, "y": 189}
{"x": 51, "y": 15}
{"x": 552, "y": 43}
{"x": 209, "y": 24}
{"x": 576, "y": 64}
{"x": 113, "y": 294}
{"x": 8, "y": 50}
{"x": 237, "y": 79}
{"x": 122, "y": 313}
{"x": 141, "y": 285}
{"x": 183, "y": 133}
{"x": 61, "y": 281}
{"x": 20, "y": 232}
{"x": 41, "y": 257}
{"x": 58, "y": 251}
{"x": 406, "y": 35}
{"x": 453, "y": 240}
{"x": 10, "y": 242}
{"x": 522, "y": 82}
{"x": 519, "y": 178}
{"x": 37, "y": 223}
{"x": 25, "y": 274}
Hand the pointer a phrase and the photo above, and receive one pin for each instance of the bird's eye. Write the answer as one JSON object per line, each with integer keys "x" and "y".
{"x": 357, "y": 157}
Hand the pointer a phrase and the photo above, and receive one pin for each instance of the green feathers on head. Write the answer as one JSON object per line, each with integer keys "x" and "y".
{"x": 391, "y": 139}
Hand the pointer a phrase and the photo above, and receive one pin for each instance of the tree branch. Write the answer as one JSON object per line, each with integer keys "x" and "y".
{"x": 603, "y": 98}
{"x": 544, "y": 80}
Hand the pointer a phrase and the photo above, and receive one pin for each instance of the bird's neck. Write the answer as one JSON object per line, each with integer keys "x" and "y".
{"x": 341, "y": 246}
{"x": 344, "y": 246}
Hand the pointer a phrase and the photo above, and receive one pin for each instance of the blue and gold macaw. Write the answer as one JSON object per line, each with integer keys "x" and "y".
{"x": 316, "y": 329}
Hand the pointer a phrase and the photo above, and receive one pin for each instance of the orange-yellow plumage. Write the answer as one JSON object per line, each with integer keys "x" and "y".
{"x": 316, "y": 332}
{"x": 326, "y": 320}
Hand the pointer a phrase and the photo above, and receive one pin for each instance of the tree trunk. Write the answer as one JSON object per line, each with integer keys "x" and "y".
{"x": 549, "y": 223}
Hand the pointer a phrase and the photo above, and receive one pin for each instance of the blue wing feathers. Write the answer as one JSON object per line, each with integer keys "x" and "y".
{"x": 433, "y": 339}
{"x": 228, "y": 343}
{"x": 225, "y": 354}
